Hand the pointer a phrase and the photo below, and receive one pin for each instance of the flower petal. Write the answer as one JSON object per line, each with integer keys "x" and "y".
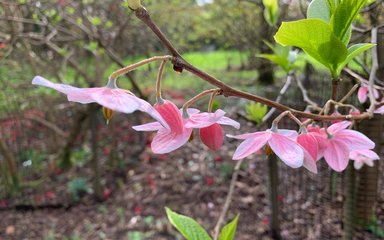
{"x": 292, "y": 134}
{"x": 354, "y": 140}
{"x": 362, "y": 94}
{"x": 336, "y": 127}
{"x": 336, "y": 155}
{"x": 380, "y": 110}
{"x": 117, "y": 100}
{"x": 153, "y": 126}
{"x": 252, "y": 143}
{"x": 228, "y": 121}
{"x": 74, "y": 94}
{"x": 147, "y": 108}
{"x": 205, "y": 119}
{"x": 309, "y": 143}
{"x": 287, "y": 150}
{"x": 212, "y": 136}
{"x": 165, "y": 141}
{"x": 309, "y": 162}
{"x": 171, "y": 115}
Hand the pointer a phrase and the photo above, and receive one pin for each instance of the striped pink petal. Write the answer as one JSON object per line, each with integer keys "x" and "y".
{"x": 287, "y": 150}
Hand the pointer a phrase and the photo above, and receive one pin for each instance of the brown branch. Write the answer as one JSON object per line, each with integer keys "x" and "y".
{"x": 180, "y": 64}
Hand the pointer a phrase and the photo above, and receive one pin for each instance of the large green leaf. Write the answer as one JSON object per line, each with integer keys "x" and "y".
{"x": 353, "y": 51}
{"x": 319, "y": 9}
{"x": 188, "y": 227}
{"x": 341, "y": 20}
{"x": 316, "y": 38}
{"x": 229, "y": 230}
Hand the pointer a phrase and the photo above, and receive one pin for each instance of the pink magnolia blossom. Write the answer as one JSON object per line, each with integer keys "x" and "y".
{"x": 180, "y": 128}
{"x": 362, "y": 157}
{"x": 362, "y": 94}
{"x": 282, "y": 143}
{"x": 109, "y": 96}
{"x": 339, "y": 142}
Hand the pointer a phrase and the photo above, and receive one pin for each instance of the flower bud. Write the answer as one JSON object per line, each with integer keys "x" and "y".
{"x": 134, "y": 4}
{"x": 212, "y": 136}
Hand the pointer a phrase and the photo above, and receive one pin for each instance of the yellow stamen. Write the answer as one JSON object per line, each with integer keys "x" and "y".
{"x": 268, "y": 150}
{"x": 191, "y": 137}
{"x": 107, "y": 114}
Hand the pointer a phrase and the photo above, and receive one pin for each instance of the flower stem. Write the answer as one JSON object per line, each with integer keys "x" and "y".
{"x": 198, "y": 96}
{"x": 129, "y": 68}
{"x": 159, "y": 99}
{"x": 213, "y": 95}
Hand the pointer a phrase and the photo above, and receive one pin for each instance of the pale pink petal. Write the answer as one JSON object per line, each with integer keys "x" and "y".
{"x": 153, "y": 126}
{"x": 362, "y": 94}
{"x": 74, "y": 94}
{"x": 117, "y": 100}
{"x": 336, "y": 155}
{"x": 170, "y": 113}
{"x": 246, "y": 135}
{"x": 336, "y": 127}
{"x": 363, "y": 152}
{"x": 212, "y": 136}
{"x": 309, "y": 142}
{"x": 252, "y": 144}
{"x": 354, "y": 140}
{"x": 287, "y": 150}
{"x": 292, "y": 134}
{"x": 147, "y": 108}
{"x": 380, "y": 110}
{"x": 64, "y": 88}
{"x": 84, "y": 95}
{"x": 309, "y": 163}
{"x": 165, "y": 141}
{"x": 200, "y": 120}
{"x": 228, "y": 121}
{"x": 190, "y": 111}
{"x": 358, "y": 165}
{"x": 376, "y": 93}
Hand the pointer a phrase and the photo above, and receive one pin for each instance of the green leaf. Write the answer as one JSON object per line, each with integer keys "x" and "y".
{"x": 256, "y": 111}
{"x": 282, "y": 62}
{"x": 353, "y": 51}
{"x": 229, "y": 230}
{"x": 319, "y": 9}
{"x": 316, "y": 38}
{"x": 341, "y": 20}
{"x": 271, "y": 11}
{"x": 188, "y": 227}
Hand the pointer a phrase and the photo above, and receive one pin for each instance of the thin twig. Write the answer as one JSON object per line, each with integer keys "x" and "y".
{"x": 280, "y": 96}
{"x": 228, "y": 200}
{"x": 372, "y": 75}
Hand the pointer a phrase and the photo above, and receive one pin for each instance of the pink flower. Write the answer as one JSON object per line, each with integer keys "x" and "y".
{"x": 362, "y": 157}
{"x": 110, "y": 96}
{"x": 310, "y": 145}
{"x": 282, "y": 143}
{"x": 180, "y": 128}
{"x": 336, "y": 146}
{"x": 362, "y": 94}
